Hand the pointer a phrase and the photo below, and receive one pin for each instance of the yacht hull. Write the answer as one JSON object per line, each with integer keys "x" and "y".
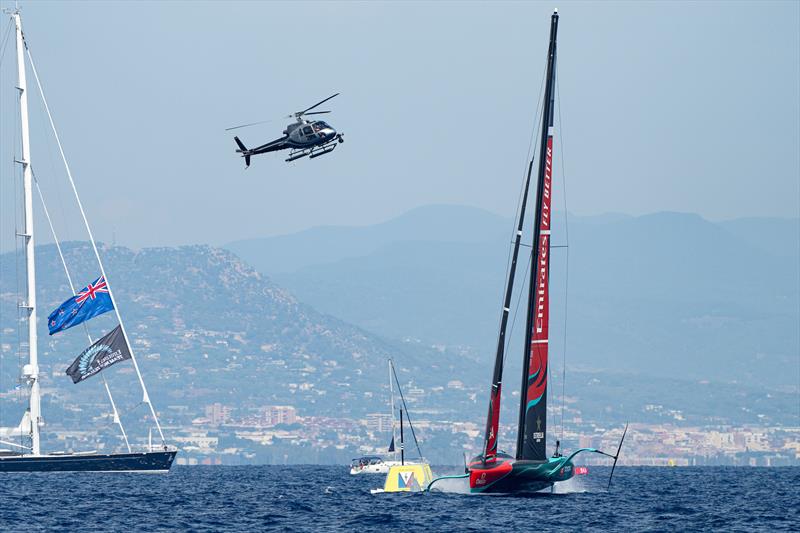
{"x": 380, "y": 468}
{"x": 116, "y": 462}
{"x": 505, "y": 475}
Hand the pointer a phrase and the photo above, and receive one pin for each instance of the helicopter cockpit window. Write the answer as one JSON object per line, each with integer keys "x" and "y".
{"x": 307, "y": 130}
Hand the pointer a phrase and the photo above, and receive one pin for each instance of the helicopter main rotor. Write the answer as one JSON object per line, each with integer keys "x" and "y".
{"x": 298, "y": 115}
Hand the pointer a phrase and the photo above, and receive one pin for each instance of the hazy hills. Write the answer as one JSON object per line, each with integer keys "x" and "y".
{"x": 326, "y": 244}
{"x": 207, "y": 328}
{"x": 667, "y": 294}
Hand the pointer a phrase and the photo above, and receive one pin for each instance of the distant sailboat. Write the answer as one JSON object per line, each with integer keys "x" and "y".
{"x": 96, "y": 298}
{"x": 405, "y": 476}
{"x": 375, "y": 464}
{"x": 530, "y": 469}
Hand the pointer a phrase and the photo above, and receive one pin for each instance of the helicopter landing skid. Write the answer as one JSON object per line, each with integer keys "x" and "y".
{"x": 312, "y": 152}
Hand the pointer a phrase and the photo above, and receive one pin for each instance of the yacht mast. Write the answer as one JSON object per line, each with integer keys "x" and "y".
{"x": 31, "y": 370}
{"x": 391, "y": 402}
{"x": 532, "y": 427}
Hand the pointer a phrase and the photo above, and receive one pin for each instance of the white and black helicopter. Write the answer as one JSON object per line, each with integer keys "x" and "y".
{"x": 304, "y": 138}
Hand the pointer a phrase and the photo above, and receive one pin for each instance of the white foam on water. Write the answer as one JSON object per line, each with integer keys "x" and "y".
{"x": 452, "y": 486}
{"x": 571, "y": 486}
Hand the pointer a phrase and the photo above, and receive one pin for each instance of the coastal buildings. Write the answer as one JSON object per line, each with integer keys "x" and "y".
{"x": 280, "y": 434}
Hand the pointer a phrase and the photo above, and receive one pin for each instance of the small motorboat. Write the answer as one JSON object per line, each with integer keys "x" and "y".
{"x": 371, "y": 464}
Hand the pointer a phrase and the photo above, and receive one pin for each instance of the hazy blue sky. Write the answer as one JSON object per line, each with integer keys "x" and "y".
{"x": 665, "y": 106}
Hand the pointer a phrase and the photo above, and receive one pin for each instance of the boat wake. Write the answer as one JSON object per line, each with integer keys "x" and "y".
{"x": 452, "y": 486}
{"x": 573, "y": 485}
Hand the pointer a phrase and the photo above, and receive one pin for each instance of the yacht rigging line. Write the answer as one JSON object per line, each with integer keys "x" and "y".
{"x": 145, "y": 395}
{"x": 15, "y": 156}
{"x": 566, "y": 266}
{"x": 510, "y": 335}
{"x": 2, "y": 55}
{"x": 528, "y": 161}
{"x": 117, "y": 419}
{"x": 516, "y": 308}
{"x": 5, "y": 40}
{"x": 527, "y": 169}
{"x": 405, "y": 408}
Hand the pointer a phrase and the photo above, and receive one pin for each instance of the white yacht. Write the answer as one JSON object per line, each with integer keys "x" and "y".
{"x": 375, "y": 464}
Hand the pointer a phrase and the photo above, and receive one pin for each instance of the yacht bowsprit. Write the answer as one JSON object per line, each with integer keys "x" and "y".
{"x": 530, "y": 470}
{"x": 26, "y": 455}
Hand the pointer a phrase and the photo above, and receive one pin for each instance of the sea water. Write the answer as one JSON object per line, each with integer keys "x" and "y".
{"x": 327, "y": 498}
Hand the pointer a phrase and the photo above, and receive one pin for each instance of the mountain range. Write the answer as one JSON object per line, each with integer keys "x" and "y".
{"x": 207, "y": 328}
{"x": 666, "y": 294}
{"x": 667, "y": 310}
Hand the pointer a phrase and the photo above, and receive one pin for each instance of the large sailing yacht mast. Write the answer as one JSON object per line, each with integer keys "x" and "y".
{"x": 31, "y": 370}
{"x": 532, "y": 427}
{"x": 531, "y": 469}
{"x": 31, "y": 458}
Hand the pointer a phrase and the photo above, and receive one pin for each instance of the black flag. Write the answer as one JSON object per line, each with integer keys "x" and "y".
{"x": 391, "y": 444}
{"x": 105, "y": 352}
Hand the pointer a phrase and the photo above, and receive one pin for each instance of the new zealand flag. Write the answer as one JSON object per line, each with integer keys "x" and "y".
{"x": 92, "y": 300}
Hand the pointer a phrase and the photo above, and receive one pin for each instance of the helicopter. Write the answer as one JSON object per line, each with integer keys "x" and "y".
{"x": 303, "y": 138}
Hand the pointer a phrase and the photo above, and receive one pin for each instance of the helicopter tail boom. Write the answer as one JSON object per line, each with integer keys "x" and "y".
{"x": 243, "y": 150}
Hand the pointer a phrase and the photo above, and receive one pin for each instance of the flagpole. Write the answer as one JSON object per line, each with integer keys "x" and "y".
{"x": 145, "y": 395}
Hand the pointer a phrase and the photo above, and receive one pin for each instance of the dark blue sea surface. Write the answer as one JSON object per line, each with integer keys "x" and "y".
{"x": 327, "y": 498}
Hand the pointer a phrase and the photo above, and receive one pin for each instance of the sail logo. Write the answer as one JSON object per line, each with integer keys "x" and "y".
{"x": 544, "y": 242}
{"x": 541, "y": 300}
{"x": 548, "y": 173}
{"x": 407, "y": 480}
{"x": 103, "y": 356}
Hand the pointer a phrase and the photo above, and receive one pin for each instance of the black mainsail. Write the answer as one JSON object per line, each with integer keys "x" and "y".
{"x": 493, "y": 417}
{"x": 532, "y": 428}
{"x": 531, "y": 470}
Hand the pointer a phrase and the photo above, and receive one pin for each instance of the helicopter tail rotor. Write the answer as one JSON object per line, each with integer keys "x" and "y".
{"x": 243, "y": 150}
